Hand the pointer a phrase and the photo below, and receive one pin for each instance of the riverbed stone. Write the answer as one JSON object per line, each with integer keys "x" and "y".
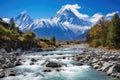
{"x": 114, "y": 69}
{"x": 33, "y": 60}
{"x": 12, "y": 73}
{"x": 32, "y": 63}
{"x": 1, "y": 70}
{"x": 2, "y": 74}
{"x": 47, "y": 70}
{"x": 118, "y": 75}
{"x": 53, "y": 64}
{"x": 17, "y": 63}
{"x": 58, "y": 70}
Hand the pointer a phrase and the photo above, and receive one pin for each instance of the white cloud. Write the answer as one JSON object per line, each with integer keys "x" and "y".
{"x": 111, "y": 14}
{"x": 96, "y": 17}
{"x": 74, "y": 8}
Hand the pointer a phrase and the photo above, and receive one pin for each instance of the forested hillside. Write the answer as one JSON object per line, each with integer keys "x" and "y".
{"x": 106, "y": 33}
{"x": 12, "y": 38}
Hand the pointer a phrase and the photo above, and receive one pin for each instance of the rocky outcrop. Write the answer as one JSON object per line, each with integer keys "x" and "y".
{"x": 8, "y": 60}
{"x": 107, "y": 61}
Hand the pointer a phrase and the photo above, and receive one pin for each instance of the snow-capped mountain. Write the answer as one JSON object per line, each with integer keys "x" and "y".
{"x": 67, "y": 24}
{"x": 6, "y": 20}
{"x": 24, "y": 21}
{"x": 69, "y": 13}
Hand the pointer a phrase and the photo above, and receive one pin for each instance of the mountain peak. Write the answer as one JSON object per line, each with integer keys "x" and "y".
{"x": 74, "y": 9}
{"x": 69, "y": 7}
{"x": 24, "y": 12}
{"x": 24, "y": 21}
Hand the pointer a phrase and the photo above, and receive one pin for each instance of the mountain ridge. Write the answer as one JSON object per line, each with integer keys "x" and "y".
{"x": 67, "y": 24}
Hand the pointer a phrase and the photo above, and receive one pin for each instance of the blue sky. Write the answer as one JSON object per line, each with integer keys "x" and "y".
{"x": 48, "y": 8}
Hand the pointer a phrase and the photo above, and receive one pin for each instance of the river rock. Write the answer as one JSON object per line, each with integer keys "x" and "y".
{"x": 53, "y": 64}
{"x": 114, "y": 69}
{"x": 58, "y": 70}
{"x": 44, "y": 54}
{"x": 113, "y": 74}
{"x": 2, "y": 74}
{"x": 3, "y": 50}
{"x": 113, "y": 58}
{"x": 12, "y": 73}
{"x": 1, "y": 70}
{"x": 106, "y": 66}
{"x": 77, "y": 58}
{"x": 119, "y": 58}
{"x": 33, "y": 60}
{"x": 17, "y": 63}
{"x": 96, "y": 66}
{"x": 95, "y": 60}
{"x": 47, "y": 70}
{"x": 118, "y": 75}
{"x": 64, "y": 57}
{"x": 32, "y": 63}
{"x": 8, "y": 65}
{"x": 105, "y": 58}
{"x": 2, "y": 60}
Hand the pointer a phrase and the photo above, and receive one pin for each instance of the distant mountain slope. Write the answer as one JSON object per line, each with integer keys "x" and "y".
{"x": 24, "y": 21}
{"x": 67, "y": 24}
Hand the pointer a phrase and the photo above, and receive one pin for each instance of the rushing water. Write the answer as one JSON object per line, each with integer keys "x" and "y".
{"x": 69, "y": 72}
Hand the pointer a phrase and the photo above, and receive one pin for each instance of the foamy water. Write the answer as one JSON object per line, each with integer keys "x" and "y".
{"x": 69, "y": 72}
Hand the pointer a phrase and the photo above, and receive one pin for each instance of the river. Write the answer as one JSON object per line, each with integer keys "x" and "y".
{"x": 69, "y": 72}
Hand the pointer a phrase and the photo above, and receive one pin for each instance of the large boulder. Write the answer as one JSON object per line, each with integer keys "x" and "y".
{"x": 113, "y": 58}
{"x": 33, "y": 60}
{"x": 118, "y": 75}
{"x": 95, "y": 60}
{"x": 17, "y": 63}
{"x": 10, "y": 72}
{"x": 96, "y": 66}
{"x": 2, "y": 50}
{"x": 8, "y": 65}
{"x": 105, "y": 58}
{"x": 77, "y": 58}
{"x": 106, "y": 66}
{"x": 2, "y": 74}
{"x": 53, "y": 64}
{"x": 114, "y": 69}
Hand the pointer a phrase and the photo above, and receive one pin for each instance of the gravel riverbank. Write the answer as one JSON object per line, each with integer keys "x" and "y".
{"x": 12, "y": 59}
{"x": 107, "y": 61}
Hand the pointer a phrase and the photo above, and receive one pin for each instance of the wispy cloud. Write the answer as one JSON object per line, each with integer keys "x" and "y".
{"x": 96, "y": 17}
{"x": 111, "y": 14}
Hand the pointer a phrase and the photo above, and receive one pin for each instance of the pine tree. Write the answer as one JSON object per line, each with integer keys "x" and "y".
{"x": 104, "y": 26}
{"x": 12, "y": 24}
{"x": 114, "y": 32}
{"x": 53, "y": 39}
